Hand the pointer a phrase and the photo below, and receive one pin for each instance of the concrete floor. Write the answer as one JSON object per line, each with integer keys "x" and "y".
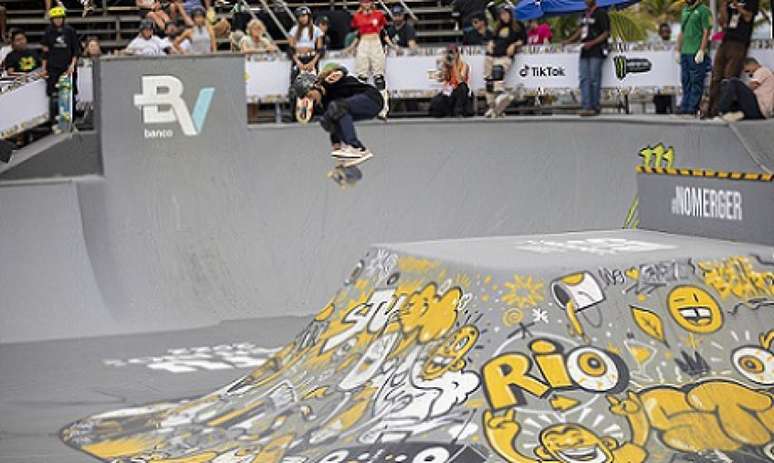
{"x": 46, "y": 385}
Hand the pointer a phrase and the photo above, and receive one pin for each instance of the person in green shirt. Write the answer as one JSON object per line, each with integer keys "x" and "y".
{"x": 692, "y": 47}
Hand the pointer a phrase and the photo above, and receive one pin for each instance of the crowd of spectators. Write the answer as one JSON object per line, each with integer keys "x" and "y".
{"x": 193, "y": 27}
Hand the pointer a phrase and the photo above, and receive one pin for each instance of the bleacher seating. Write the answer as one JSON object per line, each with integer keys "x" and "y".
{"x": 115, "y": 22}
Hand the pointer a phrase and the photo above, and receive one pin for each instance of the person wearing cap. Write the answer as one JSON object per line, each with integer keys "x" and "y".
{"x": 61, "y": 49}
{"x": 369, "y": 52}
{"x": 342, "y": 100}
{"x": 509, "y": 35}
{"x": 401, "y": 32}
{"x": 171, "y": 32}
{"x": 146, "y": 43}
{"x": 201, "y": 35}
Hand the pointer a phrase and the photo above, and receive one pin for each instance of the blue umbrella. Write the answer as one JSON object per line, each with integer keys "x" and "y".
{"x": 528, "y": 9}
{"x": 533, "y": 9}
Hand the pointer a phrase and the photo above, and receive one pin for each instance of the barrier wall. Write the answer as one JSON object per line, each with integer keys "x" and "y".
{"x": 237, "y": 222}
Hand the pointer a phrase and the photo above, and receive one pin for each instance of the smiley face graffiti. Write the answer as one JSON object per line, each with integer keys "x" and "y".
{"x": 694, "y": 309}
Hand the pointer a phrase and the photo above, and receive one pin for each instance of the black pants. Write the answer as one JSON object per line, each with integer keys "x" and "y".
{"x": 459, "y": 103}
{"x": 663, "y": 104}
{"x": 735, "y": 95}
{"x": 53, "y": 92}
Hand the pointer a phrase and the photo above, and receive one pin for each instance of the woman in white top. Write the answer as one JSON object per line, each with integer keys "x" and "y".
{"x": 256, "y": 40}
{"x": 201, "y": 36}
{"x": 305, "y": 47}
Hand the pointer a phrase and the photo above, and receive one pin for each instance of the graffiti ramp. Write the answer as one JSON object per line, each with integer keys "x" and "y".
{"x": 621, "y": 346}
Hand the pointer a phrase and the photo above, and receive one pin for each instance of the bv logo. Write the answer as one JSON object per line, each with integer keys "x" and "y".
{"x": 161, "y": 102}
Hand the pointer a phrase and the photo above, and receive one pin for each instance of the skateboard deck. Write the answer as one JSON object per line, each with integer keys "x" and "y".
{"x": 346, "y": 173}
{"x": 64, "y": 119}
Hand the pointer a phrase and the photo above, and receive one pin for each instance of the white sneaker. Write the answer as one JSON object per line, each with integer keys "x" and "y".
{"x": 733, "y": 117}
{"x": 348, "y": 152}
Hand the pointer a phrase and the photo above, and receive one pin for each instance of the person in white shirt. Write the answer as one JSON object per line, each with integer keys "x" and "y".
{"x": 146, "y": 43}
{"x": 753, "y": 99}
{"x": 171, "y": 31}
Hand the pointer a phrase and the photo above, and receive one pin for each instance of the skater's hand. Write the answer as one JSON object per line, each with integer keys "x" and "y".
{"x": 677, "y": 56}
{"x": 70, "y": 69}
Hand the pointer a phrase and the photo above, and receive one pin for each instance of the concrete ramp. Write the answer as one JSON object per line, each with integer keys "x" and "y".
{"x": 619, "y": 346}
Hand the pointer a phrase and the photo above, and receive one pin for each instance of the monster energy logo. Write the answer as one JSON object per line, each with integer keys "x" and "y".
{"x": 624, "y": 66}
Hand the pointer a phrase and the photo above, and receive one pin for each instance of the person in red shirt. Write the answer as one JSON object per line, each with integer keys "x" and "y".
{"x": 369, "y": 54}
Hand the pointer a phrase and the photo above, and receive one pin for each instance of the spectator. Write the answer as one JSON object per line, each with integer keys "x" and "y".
{"x": 178, "y": 13}
{"x": 737, "y": 19}
{"x": 754, "y": 100}
{"x": 151, "y": 9}
{"x": 508, "y": 37}
{"x": 189, "y": 6}
{"x": 479, "y": 33}
{"x": 693, "y": 46}
{"x": 88, "y": 5}
{"x": 593, "y": 32}
{"x": 305, "y": 48}
{"x": 171, "y": 32}
{"x": 61, "y": 49}
{"x": 256, "y": 40}
{"x": 369, "y": 55}
{"x": 455, "y": 98}
{"x": 324, "y": 24}
{"x": 21, "y": 59}
{"x": 93, "y": 48}
{"x": 3, "y": 24}
{"x": 201, "y": 35}
{"x": 401, "y": 32}
{"x": 146, "y": 43}
{"x": 539, "y": 33}
{"x": 663, "y": 103}
{"x": 466, "y": 10}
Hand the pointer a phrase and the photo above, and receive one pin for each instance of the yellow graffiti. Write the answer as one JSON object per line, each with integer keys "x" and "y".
{"x": 694, "y": 309}
{"x": 649, "y": 322}
{"x": 409, "y": 264}
{"x": 766, "y": 339}
{"x": 429, "y": 316}
{"x": 559, "y": 443}
{"x": 122, "y": 447}
{"x": 658, "y": 156}
{"x": 714, "y": 415}
{"x": 736, "y": 276}
{"x": 523, "y": 292}
{"x": 512, "y": 317}
{"x": 450, "y": 354}
{"x": 562, "y": 403}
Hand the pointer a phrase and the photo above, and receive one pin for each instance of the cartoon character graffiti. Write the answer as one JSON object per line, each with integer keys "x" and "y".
{"x": 694, "y": 309}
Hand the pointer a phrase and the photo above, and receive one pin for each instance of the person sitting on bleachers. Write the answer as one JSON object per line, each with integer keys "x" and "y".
{"x": 21, "y": 60}
{"x": 146, "y": 43}
{"x": 256, "y": 39}
{"x": 201, "y": 34}
{"x": 401, "y": 32}
{"x": 151, "y": 9}
{"x": 478, "y": 33}
{"x": 751, "y": 100}
{"x": 171, "y": 32}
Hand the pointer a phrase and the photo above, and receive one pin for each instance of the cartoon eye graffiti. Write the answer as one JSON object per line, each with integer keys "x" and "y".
{"x": 755, "y": 364}
{"x": 593, "y": 369}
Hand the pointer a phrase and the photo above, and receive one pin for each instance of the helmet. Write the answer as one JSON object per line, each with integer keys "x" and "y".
{"x": 56, "y": 12}
{"x": 302, "y": 10}
{"x": 146, "y": 24}
{"x": 303, "y": 83}
{"x": 333, "y": 66}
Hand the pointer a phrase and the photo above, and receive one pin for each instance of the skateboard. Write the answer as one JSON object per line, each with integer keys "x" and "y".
{"x": 64, "y": 119}
{"x": 346, "y": 173}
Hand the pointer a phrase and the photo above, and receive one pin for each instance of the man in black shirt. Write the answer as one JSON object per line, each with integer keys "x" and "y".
{"x": 466, "y": 10}
{"x": 478, "y": 33}
{"x": 737, "y": 18}
{"x": 509, "y": 35}
{"x": 61, "y": 49}
{"x": 343, "y": 99}
{"x": 401, "y": 32}
{"x": 593, "y": 32}
{"x": 21, "y": 60}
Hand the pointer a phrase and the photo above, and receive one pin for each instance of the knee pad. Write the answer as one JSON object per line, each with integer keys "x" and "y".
{"x": 498, "y": 72}
{"x": 379, "y": 82}
{"x": 364, "y": 78}
{"x": 336, "y": 110}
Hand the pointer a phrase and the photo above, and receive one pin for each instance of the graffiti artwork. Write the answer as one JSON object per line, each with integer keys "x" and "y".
{"x": 634, "y": 357}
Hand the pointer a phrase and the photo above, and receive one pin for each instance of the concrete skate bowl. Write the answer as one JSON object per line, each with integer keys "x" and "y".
{"x": 622, "y": 346}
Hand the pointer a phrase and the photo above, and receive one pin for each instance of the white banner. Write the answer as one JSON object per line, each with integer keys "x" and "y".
{"x": 30, "y": 107}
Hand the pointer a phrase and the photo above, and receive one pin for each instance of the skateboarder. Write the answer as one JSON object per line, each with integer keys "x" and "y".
{"x": 343, "y": 99}
{"x": 61, "y": 49}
